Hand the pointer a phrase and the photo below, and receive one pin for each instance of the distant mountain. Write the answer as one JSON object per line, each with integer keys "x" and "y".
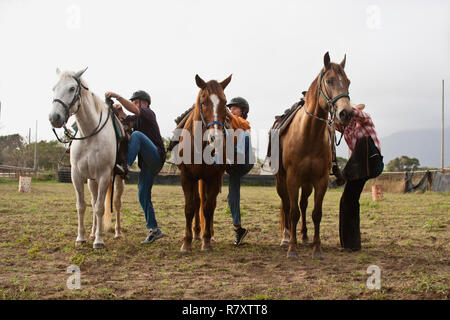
{"x": 423, "y": 144}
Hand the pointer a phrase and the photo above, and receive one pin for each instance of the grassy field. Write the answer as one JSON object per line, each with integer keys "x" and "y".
{"x": 407, "y": 236}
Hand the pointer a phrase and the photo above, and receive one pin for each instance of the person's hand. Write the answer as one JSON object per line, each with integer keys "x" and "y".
{"x": 229, "y": 115}
{"x": 110, "y": 94}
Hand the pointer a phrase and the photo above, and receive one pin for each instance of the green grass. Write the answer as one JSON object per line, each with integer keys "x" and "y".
{"x": 406, "y": 235}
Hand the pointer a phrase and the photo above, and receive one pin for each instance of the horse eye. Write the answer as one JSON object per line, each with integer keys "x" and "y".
{"x": 72, "y": 89}
{"x": 330, "y": 81}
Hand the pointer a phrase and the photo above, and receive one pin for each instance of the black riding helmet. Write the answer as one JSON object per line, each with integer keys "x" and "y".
{"x": 141, "y": 94}
{"x": 241, "y": 103}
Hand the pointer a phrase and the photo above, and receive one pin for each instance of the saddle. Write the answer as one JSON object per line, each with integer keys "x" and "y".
{"x": 123, "y": 127}
{"x": 283, "y": 121}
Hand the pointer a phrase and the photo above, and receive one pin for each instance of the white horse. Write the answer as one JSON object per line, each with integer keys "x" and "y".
{"x": 92, "y": 157}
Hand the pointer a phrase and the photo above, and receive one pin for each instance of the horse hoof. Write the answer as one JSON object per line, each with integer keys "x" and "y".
{"x": 284, "y": 244}
{"x": 80, "y": 243}
{"x": 207, "y": 248}
{"x": 185, "y": 249}
{"x": 292, "y": 254}
{"x": 117, "y": 236}
{"x": 317, "y": 255}
{"x": 99, "y": 245}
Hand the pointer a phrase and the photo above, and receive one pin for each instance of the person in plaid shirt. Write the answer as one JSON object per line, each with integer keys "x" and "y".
{"x": 365, "y": 162}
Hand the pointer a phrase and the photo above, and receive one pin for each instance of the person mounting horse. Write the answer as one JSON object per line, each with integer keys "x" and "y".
{"x": 201, "y": 178}
{"x": 146, "y": 142}
{"x": 306, "y": 153}
{"x": 237, "y": 115}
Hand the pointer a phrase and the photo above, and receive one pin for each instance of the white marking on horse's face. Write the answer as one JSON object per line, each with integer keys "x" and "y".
{"x": 215, "y": 100}
{"x": 64, "y": 90}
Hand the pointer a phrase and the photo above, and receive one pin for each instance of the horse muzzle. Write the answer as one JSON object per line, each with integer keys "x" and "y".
{"x": 345, "y": 116}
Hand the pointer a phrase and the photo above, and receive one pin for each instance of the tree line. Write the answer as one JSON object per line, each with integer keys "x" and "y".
{"x": 16, "y": 151}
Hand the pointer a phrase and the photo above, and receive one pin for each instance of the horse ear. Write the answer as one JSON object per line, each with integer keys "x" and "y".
{"x": 343, "y": 61}
{"x": 58, "y": 71}
{"x": 225, "y": 82}
{"x": 200, "y": 82}
{"x": 80, "y": 73}
{"x": 326, "y": 60}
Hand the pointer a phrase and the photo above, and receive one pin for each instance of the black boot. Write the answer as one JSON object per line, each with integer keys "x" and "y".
{"x": 121, "y": 170}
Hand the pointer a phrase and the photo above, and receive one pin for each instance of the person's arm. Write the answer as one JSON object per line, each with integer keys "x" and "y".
{"x": 130, "y": 106}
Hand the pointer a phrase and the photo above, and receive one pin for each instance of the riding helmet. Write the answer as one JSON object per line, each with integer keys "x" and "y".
{"x": 241, "y": 103}
{"x": 141, "y": 94}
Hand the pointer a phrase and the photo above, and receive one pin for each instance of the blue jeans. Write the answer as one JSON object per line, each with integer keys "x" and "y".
{"x": 234, "y": 190}
{"x": 151, "y": 164}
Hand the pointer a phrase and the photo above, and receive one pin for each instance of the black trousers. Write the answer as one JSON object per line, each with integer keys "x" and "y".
{"x": 349, "y": 225}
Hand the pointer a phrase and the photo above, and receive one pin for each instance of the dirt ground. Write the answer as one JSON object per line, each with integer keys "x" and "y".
{"x": 406, "y": 235}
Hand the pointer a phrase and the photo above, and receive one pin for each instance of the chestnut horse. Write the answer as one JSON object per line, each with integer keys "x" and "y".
{"x": 201, "y": 181}
{"x": 305, "y": 150}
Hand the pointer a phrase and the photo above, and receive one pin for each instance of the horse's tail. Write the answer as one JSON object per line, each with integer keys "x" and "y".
{"x": 107, "y": 215}
{"x": 200, "y": 211}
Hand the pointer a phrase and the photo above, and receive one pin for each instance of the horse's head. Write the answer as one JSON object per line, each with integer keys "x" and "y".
{"x": 211, "y": 100}
{"x": 333, "y": 90}
{"x": 66, "y": 97}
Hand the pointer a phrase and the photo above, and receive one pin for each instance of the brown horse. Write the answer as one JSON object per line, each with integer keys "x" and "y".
{"x": 305, "y": 151}
{"x": 201, "y": 181}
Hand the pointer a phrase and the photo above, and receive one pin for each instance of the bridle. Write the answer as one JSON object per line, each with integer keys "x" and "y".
{"x": 207, "y": 125}
{"x": 331, "y": 106}
{"x": 77, "y": 97}
{"x": 331, "y": 102}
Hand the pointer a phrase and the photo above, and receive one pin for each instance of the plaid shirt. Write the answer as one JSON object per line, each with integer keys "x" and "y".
{"x": 360, "y": 126}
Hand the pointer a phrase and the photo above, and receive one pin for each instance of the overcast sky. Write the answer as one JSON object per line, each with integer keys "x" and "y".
{"x": 398, "y": 52}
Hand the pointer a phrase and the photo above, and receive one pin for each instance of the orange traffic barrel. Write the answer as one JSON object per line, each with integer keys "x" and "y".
{"x": 377, "y": 193}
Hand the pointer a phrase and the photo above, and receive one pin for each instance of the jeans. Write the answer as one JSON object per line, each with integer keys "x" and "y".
{"x": 151, "y": 164}
{"x": 234, "y": 190}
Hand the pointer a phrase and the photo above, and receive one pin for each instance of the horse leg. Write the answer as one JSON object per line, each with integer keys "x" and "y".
{"x": 294, "y": 215}
{"x": 319, "y": 193}
{"x": 284, "y": 210}
{"x": 118, "y": 191}
{"x": 93, "y": 188}
{"x": 190, "y": 190}
{"x": 78, "y": 183}
{"x": 198, "y": 218}
{"x": 306, "y": 192}
{"x": 212, "y": 190}
{"x": 99, "y": 210}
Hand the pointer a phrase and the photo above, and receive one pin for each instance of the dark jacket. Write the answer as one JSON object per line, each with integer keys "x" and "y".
{"x": 366, "y": 161}
{"x": 146, "y": 123}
